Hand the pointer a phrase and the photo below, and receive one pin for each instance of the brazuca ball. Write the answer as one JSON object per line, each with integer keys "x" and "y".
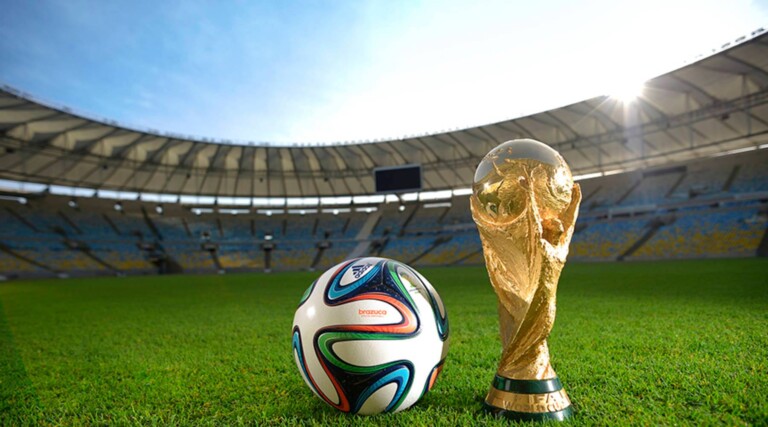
{"x": 370, "y": 335}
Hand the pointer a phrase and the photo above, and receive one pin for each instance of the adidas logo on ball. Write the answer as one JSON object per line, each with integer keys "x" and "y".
{"x": 358, "y": 270}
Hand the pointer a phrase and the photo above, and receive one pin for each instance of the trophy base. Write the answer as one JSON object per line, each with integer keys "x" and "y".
{"x": 528, "y": 400}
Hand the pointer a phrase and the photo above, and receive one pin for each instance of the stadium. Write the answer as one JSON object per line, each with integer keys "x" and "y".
{"x": 150, "y": 277}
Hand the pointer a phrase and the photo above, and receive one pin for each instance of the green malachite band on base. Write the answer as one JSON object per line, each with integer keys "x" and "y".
{"x": 527, "y": 386}
{"x": 528, "y": 400}
{"x": 529, "y": 416}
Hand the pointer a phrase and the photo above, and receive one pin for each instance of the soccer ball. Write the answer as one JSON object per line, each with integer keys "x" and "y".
{"x": 370, "y": 335}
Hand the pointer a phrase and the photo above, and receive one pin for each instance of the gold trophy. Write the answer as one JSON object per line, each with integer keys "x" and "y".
{"x": 525, "y": 204}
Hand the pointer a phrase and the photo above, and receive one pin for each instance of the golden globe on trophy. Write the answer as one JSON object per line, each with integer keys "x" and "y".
{"x": 525, "y": 204}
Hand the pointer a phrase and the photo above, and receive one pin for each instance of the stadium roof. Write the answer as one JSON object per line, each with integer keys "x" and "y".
{"x": 717, "y": 104}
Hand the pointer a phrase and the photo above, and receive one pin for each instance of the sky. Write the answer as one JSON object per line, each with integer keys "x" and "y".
{"x": 311, "y": 72}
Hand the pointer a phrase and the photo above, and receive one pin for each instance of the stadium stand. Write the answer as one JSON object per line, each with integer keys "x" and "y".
{"x": 458, "y": 213}
{"x": 336, "y": 253}
{"x": 293, "y": 255}
{"x": 299, "y": 227}
{"x": 237, "y": 228}
{"x": 687, "y": 177}
{"x": 454, "y": 249}
{"x": 392, "y": 220}
{"x": 191, "y": 256}
{"x": 13, "y": 266}
{"x": 269, "y": 226}
{"x": 475, "y": 258}
{"x": 607, "y": 191}
{"x": 682, "y": 211}
{"x": 331, "y": 225}
{"x": 203, "y": 229}
{"x": 606, "y": 240}
{"x": 241, "y": 256}
{"x": 407, "y": 249}
{"x": 353, "y": 225}
{"x": 702, "y": 181}
{"x": 130, "y": 225}
{"x": 424, "y": 219}
{"x": 703, "y": 234}
{"x": 654, "y": 188}
{"x": 90, "y": 224}
{"x": 123, "y": 256}
{"x": 752, "y": 176}
{"x": 172, "y": 228}
{"x": 11, "y": 224}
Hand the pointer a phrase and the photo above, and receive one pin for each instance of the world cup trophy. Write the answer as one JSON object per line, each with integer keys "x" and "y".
{"x": 525, "y": 204}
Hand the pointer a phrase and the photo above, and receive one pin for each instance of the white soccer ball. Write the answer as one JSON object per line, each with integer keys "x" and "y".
{"x": 370, "y": 335}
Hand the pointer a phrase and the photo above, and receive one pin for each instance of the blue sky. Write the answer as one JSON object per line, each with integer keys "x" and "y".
{"x": 329, "y": 71}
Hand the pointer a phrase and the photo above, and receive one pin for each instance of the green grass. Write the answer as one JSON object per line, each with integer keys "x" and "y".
{"x": 634, "y": 343}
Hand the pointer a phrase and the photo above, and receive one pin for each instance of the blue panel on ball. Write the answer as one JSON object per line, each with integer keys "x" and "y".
{"x": 400, "y": 375}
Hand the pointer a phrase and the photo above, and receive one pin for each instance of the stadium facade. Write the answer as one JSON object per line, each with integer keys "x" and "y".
{"x": 680, "y": 171}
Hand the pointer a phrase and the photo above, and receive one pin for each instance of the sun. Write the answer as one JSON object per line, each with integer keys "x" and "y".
{"x": 628, "y": 92}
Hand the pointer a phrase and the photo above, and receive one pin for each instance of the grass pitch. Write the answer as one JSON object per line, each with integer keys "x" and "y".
{"x": 634, "y": 343}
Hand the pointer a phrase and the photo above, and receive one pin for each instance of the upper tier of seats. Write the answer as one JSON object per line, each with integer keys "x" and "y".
{"x": 703, "y": 178}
